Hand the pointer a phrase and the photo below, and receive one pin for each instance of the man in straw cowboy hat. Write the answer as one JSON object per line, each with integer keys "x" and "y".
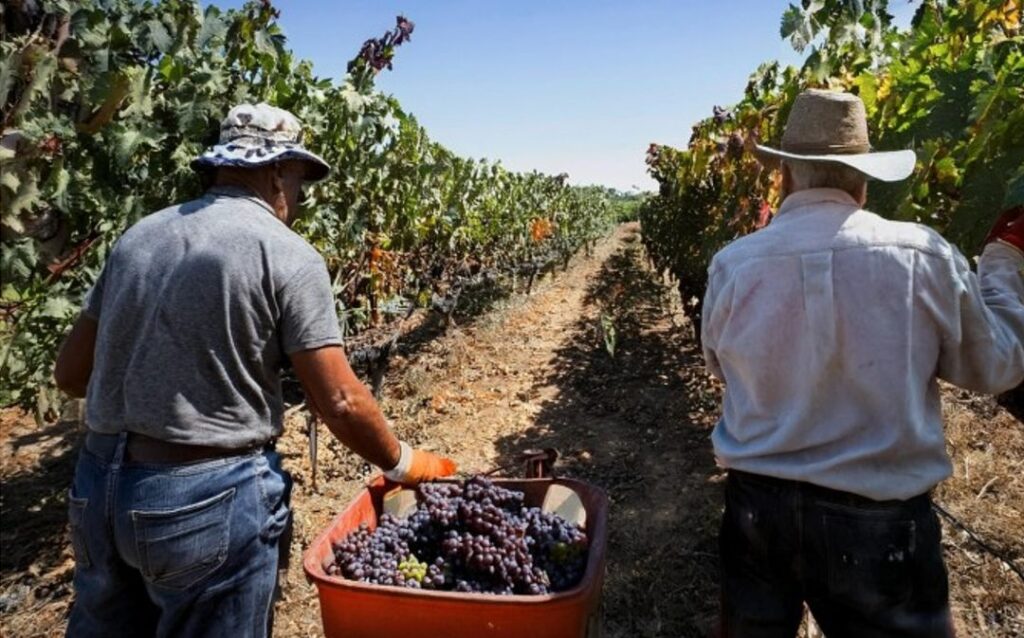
{"x": 179, "y": 501}
{"x": 830, "y": 328}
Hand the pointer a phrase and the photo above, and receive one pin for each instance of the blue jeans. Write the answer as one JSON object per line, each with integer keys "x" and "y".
{"x": 175, "y": 550}
{"x": 865, "y": 568}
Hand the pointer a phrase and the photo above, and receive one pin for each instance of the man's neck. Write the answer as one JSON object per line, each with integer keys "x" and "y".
{"x": 860, "y": 197}
{"x": 253, "y": 183}
{"x": 253, "y": 186}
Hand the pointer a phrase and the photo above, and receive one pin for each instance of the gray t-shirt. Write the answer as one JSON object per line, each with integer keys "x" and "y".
{"x": 197, "y": 305}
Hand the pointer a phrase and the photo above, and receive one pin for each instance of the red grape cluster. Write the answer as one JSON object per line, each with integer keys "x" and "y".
{"x": 378, "y": 52}
{"x": 474, "y": 537}
{"x": 562, "y": 548}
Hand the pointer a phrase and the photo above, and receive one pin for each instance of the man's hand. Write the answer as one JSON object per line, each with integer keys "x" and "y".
{"x": 417, "y": 466}
{"x": 1009, "y": 229}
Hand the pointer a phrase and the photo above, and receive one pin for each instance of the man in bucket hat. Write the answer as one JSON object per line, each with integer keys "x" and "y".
{"x": 179, "y": 501}
{"x": 830, "y": 328}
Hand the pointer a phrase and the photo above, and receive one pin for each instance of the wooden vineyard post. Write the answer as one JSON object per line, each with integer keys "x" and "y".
{"x": 374, "y": 269}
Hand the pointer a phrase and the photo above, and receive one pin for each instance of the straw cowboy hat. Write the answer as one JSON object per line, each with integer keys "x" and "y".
{"x": 830, "y": 126}
{"x": 255, "y": 135}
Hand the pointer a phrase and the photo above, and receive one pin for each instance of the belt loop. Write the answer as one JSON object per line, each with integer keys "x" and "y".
{"x": 122, "y": 443}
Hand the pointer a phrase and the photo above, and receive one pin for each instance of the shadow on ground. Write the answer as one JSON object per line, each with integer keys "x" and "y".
{"x": 637, "y": 424}
{"x": 36, "y": 562}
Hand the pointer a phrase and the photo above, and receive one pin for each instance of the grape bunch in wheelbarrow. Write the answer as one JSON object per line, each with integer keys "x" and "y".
{"x": 470, "y": 537}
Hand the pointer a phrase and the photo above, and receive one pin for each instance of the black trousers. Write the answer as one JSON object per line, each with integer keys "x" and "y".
{"x": 865, "y": 568}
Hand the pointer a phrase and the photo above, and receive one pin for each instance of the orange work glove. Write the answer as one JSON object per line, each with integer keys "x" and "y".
{"x": 1009, "y": 228}
{"x": 417, "y": 466}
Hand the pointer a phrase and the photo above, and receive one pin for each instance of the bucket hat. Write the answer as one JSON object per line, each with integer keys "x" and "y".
{"x": 832, "y": 126}
{"x": 260, "y": 134}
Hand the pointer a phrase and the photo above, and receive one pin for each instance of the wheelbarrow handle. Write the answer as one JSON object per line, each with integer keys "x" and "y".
{"x": 536, "y": 463}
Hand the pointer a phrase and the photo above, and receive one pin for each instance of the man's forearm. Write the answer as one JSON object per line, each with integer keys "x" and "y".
{"x": 357, "y": 422}
{"x": 73, "y": 367}
{"x": 336, "y": 395}
{"x": 986, "y": 353}
{"x": 1000, "y": 268}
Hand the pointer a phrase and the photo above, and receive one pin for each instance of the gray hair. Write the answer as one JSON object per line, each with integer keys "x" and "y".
{"x": 806, "y": 175}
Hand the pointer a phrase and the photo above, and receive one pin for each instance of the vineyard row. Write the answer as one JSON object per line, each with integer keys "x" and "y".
{"x": 106, "y": 103}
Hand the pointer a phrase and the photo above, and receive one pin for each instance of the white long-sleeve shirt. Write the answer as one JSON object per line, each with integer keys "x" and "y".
{"x": 830, "y": 328}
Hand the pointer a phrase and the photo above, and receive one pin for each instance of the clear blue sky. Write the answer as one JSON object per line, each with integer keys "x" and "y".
{"x": 576, "y": 86}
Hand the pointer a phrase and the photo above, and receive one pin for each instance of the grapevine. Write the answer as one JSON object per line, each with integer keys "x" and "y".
{"x": 949, "y": 87}
{"x": 105, "y": 103}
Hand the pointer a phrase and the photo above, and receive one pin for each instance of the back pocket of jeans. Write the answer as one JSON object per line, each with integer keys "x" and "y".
{"x": 870, "y": 561}
{"x": 76, "y": 515}
{"x": 178, "y": 548}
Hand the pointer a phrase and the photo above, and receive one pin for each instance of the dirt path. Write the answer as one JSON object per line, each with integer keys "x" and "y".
{"x": 536, "y": 371}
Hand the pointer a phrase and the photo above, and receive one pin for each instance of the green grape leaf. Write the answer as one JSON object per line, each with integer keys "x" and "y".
{"x": 264, "y": 43}
{"x": 193, "y": 115}
{"x": 867, "y": 89}
{"x": 1015, "y": 191}
{"x": 56, "y": 185}
{"x": 140, "y": 99}
{"x": 10, "y": 61}
{"x": 22, "y": 201}
{"x": 159, "y": 36}
{"x": 128, "y": 141}
{"x": 9, "y": 180}
{"x": 57, "y": 307}
{"x": 797, "y": 27}
{"x": 946, "y": 171}
{"x": 172, "y": 71}
{"x": 213, "y": 30}
{"x": 17, "y": 260}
